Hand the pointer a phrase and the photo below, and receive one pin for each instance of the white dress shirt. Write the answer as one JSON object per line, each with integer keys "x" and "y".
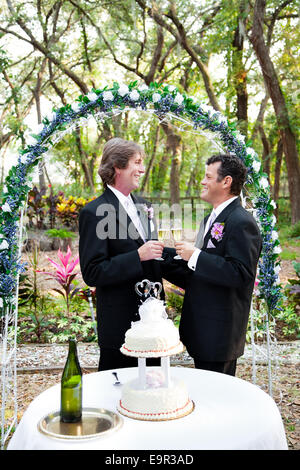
{"x": 216, "y": 212}
{"x": 131, "y": 210}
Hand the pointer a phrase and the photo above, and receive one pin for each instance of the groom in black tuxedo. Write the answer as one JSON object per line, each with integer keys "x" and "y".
{"x": 117, "y": 249}
{"x": 221, "y": 271}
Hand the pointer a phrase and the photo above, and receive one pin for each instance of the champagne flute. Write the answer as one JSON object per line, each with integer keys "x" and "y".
{"x": 177, "y": 235}
{"x": 161, "y": 237}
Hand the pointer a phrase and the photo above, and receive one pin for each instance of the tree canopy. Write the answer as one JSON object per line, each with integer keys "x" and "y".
{"x": 239, "y": 57}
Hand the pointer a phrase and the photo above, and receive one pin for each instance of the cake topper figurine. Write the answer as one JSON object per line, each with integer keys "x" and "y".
{"x": 157, "y": 288}
{"x": 146, "y": 289}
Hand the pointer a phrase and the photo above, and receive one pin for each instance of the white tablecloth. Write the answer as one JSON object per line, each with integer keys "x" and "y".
{"x": 229, "y": 413}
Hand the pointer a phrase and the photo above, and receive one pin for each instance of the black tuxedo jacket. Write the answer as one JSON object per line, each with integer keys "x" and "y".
{"x": 218, "y": 293}
{"x": 109, "y": 261}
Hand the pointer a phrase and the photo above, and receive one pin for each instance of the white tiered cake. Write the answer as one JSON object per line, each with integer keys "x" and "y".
{"x": 154, "y": 335}
{"x": 154, "y": 396}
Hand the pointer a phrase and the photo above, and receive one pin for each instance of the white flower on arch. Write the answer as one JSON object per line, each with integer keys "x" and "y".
{"x": 178, "y": 99}
{"x": 123, "y": 90}
{"x": 143, "y": 87}
{"x": 4, "y": 245}
{"x": 134, "y": 95}
{"x": 256, "y": 165}
{"x": 6, "y": 207}
{"x": 263, "y": 182}
{"x": 92, "y": 96}
{"x": 156, "y": 97}
{"x": 75, "y": 107}
{"x": 108, "y": 96}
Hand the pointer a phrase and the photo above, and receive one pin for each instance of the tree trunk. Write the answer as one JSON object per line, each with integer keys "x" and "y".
{"x": 266, "y": 152}
{"x": 276, "y": 187}
{"x": 37, "y": 97}
{"x": 260, "y": 116}
{"x": 280, "y": 107}
{"x": 83, "y": 161}
{"x": 150, "y": 164}
{"x": 240, "y": 74}
{"x": 175, "y": 170}
{"x": 192, "y": 183}
{"x": 173, "y": 148}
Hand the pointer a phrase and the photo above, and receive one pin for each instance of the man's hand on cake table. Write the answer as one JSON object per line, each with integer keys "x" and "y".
{"x": 150, "y": 250}
{"x": 184, "y": 249}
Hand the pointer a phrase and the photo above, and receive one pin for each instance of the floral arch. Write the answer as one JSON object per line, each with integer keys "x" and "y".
{"x": 163, "y": 101}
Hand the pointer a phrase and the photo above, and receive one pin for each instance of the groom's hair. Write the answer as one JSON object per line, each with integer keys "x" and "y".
{"x": 116, "y": 154}
{"x": 232, "y": 166}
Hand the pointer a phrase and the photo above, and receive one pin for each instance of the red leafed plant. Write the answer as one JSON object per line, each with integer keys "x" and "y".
{"x": 64, "y": 274}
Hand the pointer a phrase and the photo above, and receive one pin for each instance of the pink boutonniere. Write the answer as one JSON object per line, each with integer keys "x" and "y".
{"x": 149, "y": 211}
{"x": 217, "y": 231}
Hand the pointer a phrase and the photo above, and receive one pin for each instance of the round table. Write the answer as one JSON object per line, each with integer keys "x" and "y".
{"x": 229, "y": 414}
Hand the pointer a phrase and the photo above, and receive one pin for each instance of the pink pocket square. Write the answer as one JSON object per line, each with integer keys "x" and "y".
{"x": 210, "y": 244}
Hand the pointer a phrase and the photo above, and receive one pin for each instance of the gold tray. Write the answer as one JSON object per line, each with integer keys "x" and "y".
{"x": 95, "y": 422}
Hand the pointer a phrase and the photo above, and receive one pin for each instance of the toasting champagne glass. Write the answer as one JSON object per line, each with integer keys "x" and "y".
{"x": 177, "y": 235}
{"x": 162, "y": 232}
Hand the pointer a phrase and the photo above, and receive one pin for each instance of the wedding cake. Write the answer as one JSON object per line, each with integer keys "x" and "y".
{"x": 154, "y": 335}
{"x": 154, "y": 396}
{"x": 156, "y": 402}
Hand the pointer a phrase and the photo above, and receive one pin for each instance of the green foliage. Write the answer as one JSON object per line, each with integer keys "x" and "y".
{"x": 48, "y": 210}
{"x": 31, "y": 301}
{"x": 259, "y": 319}
{"x": 291, "y": 321}
{"x": 76, "y": 327}
{"x": 289, "y": 317}
{"x": 294, "y": 230}
{"x": 77, "y": 189}
{"x": 52, "y": 324}
{"x": 35, "y": 326}
{"x": 289, "y": 232}
{"x": 60, "y": 233}
{"x": 85, "y": 293}
{"x": 174, "y": 302}
{"x": 44, "y": 317}
{"x": 36, "y": 210}
{"x": 293, "y": 287}
{"x": 290, "y": 240}
{"x": 51, "y": 201}
{"x": 297, "y": 269}
{"x": 288, "y": 255}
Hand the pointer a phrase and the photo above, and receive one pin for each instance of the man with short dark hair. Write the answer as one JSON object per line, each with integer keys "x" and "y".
{"x": 222, "y": 271}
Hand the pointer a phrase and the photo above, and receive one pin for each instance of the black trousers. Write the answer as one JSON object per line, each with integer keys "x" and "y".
{"x": 228, "y": 367}
{"x": 114, "y": 359}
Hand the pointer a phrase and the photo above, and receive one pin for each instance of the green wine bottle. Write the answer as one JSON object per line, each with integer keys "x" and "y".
{"x": 71, "y": 387}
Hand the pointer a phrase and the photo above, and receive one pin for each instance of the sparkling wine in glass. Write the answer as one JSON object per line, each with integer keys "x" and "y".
{"x": 162, "y": 232}
{"x": 177, "y": 235}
